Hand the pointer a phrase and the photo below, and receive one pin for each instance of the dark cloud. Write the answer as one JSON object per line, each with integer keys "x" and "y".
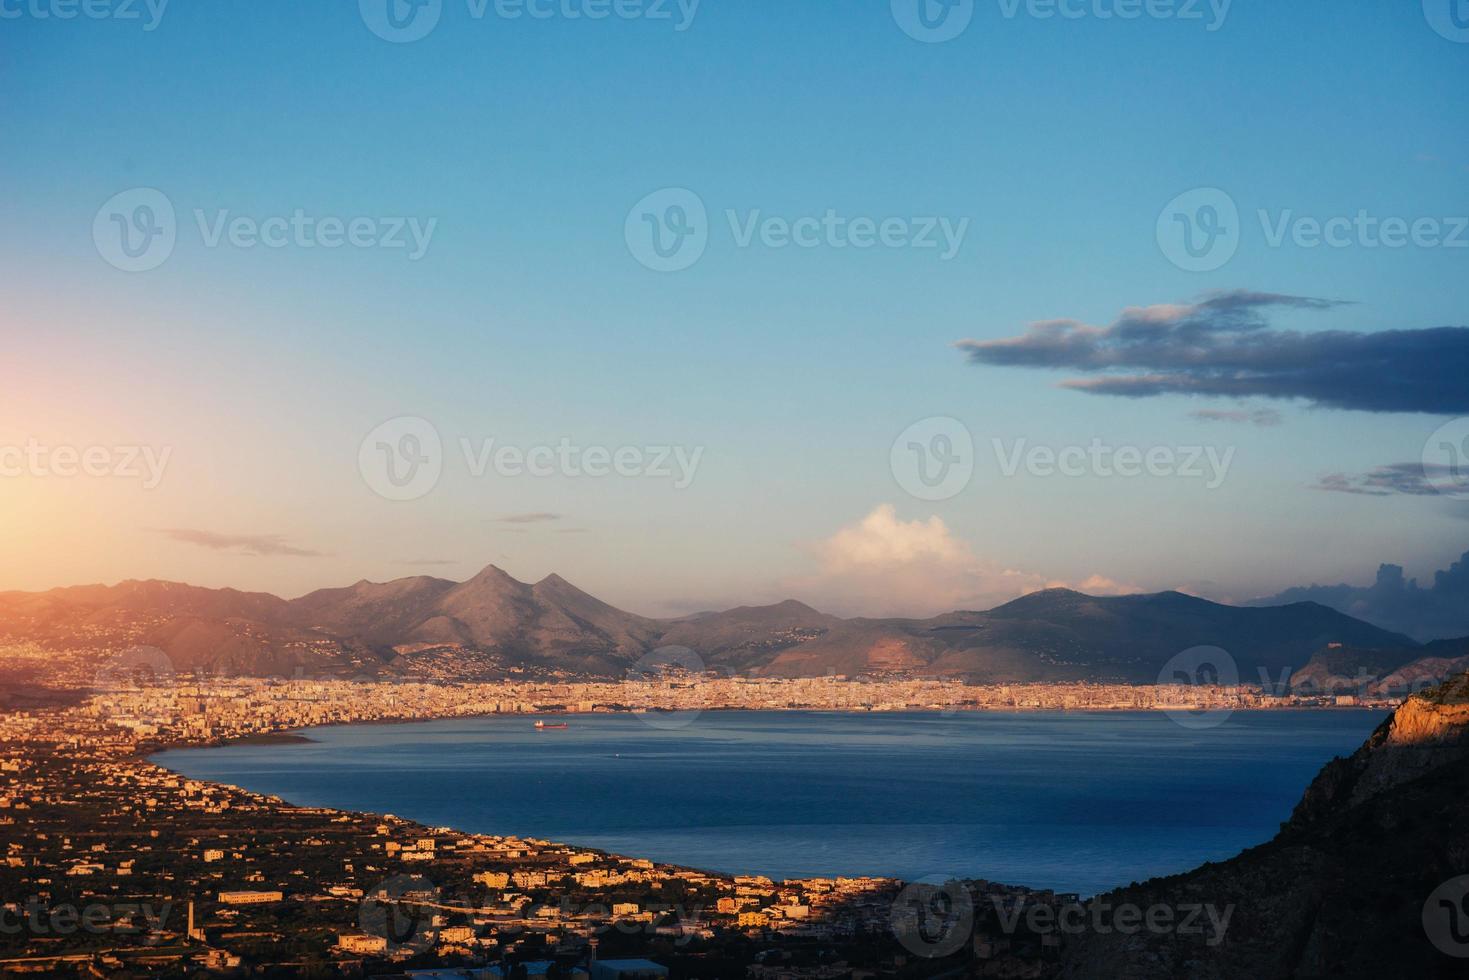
{"x": 1413, "y": 479}
{"x": 1438, "y": 612}
{"x": 537, "y": 518}
{"x": 1263, "y": 416}
{"x": 248, "y": 544}
{"x": 1223, "y": 346}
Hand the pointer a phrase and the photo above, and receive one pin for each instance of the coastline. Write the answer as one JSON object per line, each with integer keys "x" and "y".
{"x": 349, "y": 855}
{"x": 672, "y": 860}
{"x": 291, "y": 734}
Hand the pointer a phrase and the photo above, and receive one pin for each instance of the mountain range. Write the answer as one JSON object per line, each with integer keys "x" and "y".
{"x": 493, "y": 626}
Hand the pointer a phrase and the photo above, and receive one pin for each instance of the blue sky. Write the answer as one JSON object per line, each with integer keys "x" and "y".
{"x": 529, "y": 320}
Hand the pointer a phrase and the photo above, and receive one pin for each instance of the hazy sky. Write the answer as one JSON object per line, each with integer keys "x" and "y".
{"x": 498, "y": 286}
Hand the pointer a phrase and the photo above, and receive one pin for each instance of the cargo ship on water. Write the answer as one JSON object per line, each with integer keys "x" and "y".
{"x": 551, "y": 724}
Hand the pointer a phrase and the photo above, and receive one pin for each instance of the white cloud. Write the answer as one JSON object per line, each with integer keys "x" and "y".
{"x": 885, "y": 566}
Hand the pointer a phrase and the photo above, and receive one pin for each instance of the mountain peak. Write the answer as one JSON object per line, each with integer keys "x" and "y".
{"x": 494, "y": 574}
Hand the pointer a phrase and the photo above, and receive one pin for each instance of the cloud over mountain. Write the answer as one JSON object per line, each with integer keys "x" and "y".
{"x": 1224, "y": 346}
{"x": 883, "y": 565}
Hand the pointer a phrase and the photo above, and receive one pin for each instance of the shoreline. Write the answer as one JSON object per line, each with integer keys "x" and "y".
{"x": 293, "y": 734}
{"x": 297, "y": 736}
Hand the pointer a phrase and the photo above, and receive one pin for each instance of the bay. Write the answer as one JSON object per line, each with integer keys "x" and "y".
{"x": 1071, "y": 801}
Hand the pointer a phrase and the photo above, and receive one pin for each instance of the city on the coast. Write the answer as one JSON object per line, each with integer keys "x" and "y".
{"x": 115, "y": 865}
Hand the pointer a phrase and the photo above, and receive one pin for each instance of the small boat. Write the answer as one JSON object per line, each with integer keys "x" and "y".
{"x": 551, "y": 724}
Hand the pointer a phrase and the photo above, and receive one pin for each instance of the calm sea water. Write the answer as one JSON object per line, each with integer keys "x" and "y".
{"x": 1074, "y": 802}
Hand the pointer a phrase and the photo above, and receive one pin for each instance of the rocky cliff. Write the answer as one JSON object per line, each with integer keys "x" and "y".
{"x": 1345, "y": 888}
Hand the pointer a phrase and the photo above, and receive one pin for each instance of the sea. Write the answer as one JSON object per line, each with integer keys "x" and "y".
{"x": 1071, "y": 801}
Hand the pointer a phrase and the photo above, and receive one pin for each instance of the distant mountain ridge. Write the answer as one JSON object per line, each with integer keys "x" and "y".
{"x": 493, "y": 625}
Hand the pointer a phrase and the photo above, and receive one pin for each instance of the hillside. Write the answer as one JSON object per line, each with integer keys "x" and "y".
{"x": 493, "y": 624}
{"x": 1344, "y": 889}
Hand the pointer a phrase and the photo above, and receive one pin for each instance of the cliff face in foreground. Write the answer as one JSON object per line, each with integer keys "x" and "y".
{"x": 1341, "y": 891}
